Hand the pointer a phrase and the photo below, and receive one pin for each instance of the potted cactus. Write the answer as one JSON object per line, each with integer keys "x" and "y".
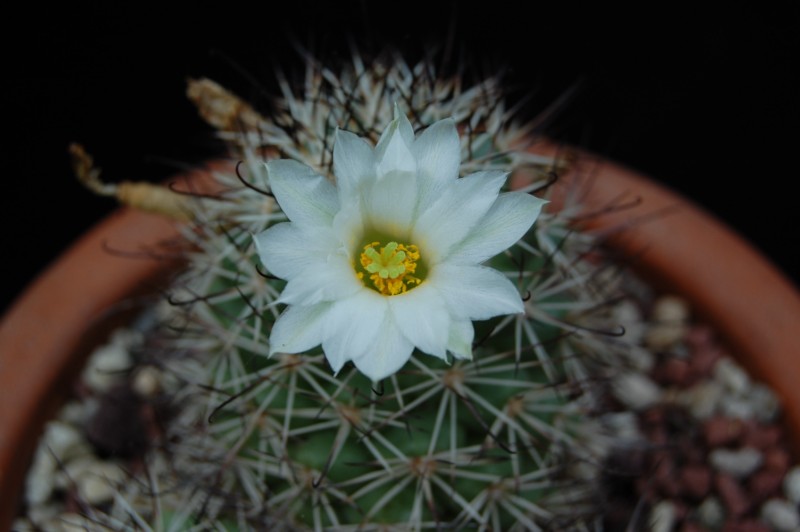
{"x": 359, "y": 338}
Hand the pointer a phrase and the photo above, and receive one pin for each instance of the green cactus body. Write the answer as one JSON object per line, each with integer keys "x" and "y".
{"x": 283, "y": 443}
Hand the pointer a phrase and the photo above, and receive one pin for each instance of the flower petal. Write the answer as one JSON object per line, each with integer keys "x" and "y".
{"x": 306, "y": 197}
{"x": 353, "y": 162}
{"x": 389, "y": 203}
{"x": 399, "y": 124}
{"x": 298, "y": 328}
{"x": 438, "y": 154}
{"x": 475, "y": 292}
{"x": 422, "y": 317}
{"x": 348, "y": 226}
{"x": 451, "y": 217}
{"x": 459, "y": 342}
{"x": 286, "y": 249}
{"x": 329, "y": 279}
{"x": 393, "y": 152}
{"x": 352, "y": 327}
{"x": 507, "y": 221}
{"x": 389, "y": 353}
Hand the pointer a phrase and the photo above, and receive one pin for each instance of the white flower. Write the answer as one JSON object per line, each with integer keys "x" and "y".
{"x": 389, "y": 258}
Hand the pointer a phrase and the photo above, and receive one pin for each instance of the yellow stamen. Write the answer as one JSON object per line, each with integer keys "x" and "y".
{"x": 391, "y": 268}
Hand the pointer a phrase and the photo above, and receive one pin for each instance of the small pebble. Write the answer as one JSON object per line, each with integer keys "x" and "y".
{"x": 662, "y": 336}
{"x": 711, "y": 513}
{"x": 627, "y": 314}
{"x": 745, "y": 525}
{"x": 720, "y": 431}
{"x": 670, "y": 309}
{"x": 674, "y": 372}
{"x": 109, "y": 362}
{"x": 696, "y": 481}
{"x": 623, "y": 425}
{"x": 73, "y": 413}
{"x": 670, "y": 315}
{"x": 699, "y": 336}
{"x": 737, "y": 407}
{"x": 72, "y": 522}
{"x": 39, "y": 482}
{"x": 760, "y": 436}
{"x": 781, "y": 515}
{"x": 767, "y": 404}
{"x": 666, "y": 478}
{"x": 636, "y": 391}
{"x": 764, "y": 484}
{"x": 663, "y": 517}
{"x": 147, "y": 382}
{"x": 99, "y": 484}
{"x": 73, "y": 470}
{"x": 777, "y": 459}
{"x": 733, "y": 496}
{"x": 60, "y": 442}
{"x": 732, "y": 376}
{"x": 641, "y": 359}
{"x": 791, "y": 485}
{"x": 703, "y": 360}
{"x": 40, "y": 514}
{"x": 739, "y": 463}
{"x": 702, "y": 400}
{"x": 23, "y": 524}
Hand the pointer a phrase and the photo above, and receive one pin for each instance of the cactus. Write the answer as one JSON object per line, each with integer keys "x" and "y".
{"x": 500, "y": 442}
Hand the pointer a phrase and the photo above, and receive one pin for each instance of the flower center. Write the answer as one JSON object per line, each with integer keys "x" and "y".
{"x": 391, "y": 268}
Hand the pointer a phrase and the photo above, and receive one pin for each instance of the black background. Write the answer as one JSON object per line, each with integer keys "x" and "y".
{"x": 702, "y": 99}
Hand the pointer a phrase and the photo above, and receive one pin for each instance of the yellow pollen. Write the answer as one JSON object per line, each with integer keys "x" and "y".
{"x": 391, "y": 268}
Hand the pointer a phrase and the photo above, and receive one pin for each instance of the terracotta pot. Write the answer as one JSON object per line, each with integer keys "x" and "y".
{"x": 52, "y": 327}
{"x": 683, "y": 249}
{"x": 47, "y": 333}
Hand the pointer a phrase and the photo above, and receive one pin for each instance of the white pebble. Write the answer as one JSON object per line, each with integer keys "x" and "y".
{"x": 73, "y": 470}
{"x": 41, "y": 514}
{"x": 39, "y": 482}
{"x": 59, "y": 442}
{"x": 767, "y": 405}
{"x": 641, "y": 359}
{"x": 147, "y": 381}
{"x": 636, "y": 391}
{"x": 732, "y": 376}
{"x": 623, "y": 425}
{"x": 664, "y": 335}
{"x": 628, "y": 315}
{"x": 739, "y": 463}
{"x": 596, "y": 439}
{"x": 98, "y": 485}
{"x": 737, "y": 407}
{"x": 670, "y": 308}
{"x": 64, "y": 441}
{"x": 781, "y": 515}
{"x": 670, "y": 315}
{"x": 72, "y": 522}
{"x": 703, "y": 399}
{"x": 663, "y": 517}
{"x": 711, "y": 513}
{"x": 106, "y": 367}
{"x": 73, "y": 413}
{"x": 582, "y": 469}
{"x": 791, "y": 485}
{"x": 23, "y": 524}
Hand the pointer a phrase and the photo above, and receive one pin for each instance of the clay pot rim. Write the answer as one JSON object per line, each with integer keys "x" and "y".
{"x": 748, "y": 300}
